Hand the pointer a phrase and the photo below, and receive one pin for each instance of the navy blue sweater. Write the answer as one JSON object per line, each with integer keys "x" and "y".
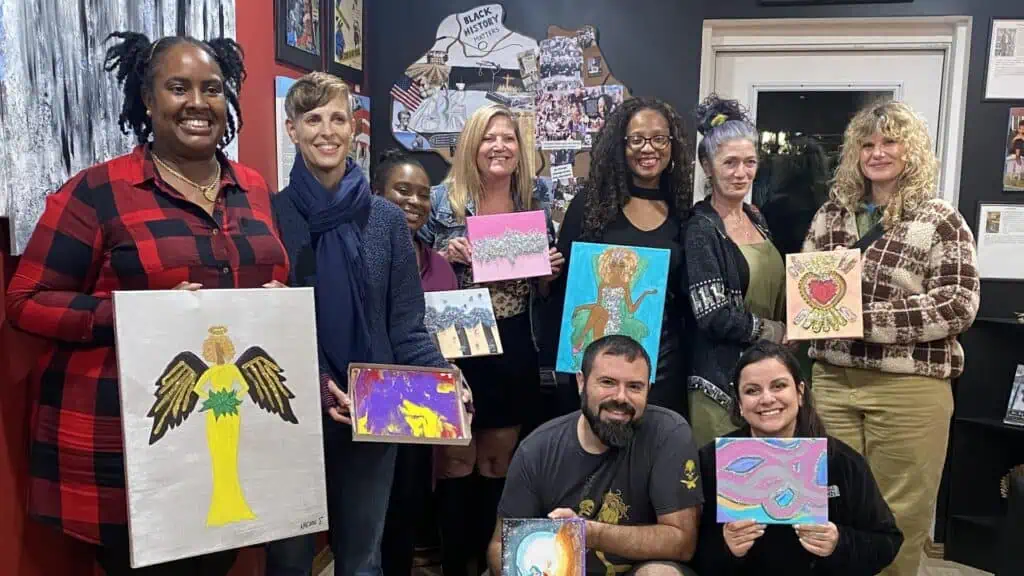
{"x": 394, "y": 296}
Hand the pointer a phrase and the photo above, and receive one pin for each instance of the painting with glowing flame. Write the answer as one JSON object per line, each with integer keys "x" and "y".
{"x": 543, "y": 547}
{"x": 772, "y": 480}
{"x": 407, "y": 404}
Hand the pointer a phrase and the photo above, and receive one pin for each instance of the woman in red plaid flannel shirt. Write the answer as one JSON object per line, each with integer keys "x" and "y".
{"x": 173, "y": 213}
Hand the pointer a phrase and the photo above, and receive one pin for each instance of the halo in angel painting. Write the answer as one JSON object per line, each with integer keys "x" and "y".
{"x": 222, "y": 386}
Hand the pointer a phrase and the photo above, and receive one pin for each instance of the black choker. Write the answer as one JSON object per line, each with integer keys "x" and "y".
{"x": 647, "y": 193}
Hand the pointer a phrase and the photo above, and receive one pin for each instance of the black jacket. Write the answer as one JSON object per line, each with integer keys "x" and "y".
{"x": 718, "y": 276}
{"x": 868, "y": 536}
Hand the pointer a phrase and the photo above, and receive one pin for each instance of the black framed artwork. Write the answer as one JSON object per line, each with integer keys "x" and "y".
{"x": 297, "y": 33}
{"x": 345, "y": 52}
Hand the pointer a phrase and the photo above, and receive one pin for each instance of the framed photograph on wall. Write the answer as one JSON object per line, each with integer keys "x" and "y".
{"x": 345, "y": 39}
{"x": 1004, "y": 66}
{"x": 1013, "y": 169}
{"x": 297, "y": 33}
{"x": 1000, "y": 236}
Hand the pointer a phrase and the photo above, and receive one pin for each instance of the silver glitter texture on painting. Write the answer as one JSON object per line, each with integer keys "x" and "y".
{"x": 510, "y": 245}
{"x": 58, "y": 107}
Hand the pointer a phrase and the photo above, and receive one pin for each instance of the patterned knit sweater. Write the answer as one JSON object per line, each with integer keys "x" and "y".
{"x": 920, "y": 287}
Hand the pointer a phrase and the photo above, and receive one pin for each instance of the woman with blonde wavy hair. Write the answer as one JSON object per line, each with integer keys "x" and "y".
{"x": 491, "y": 174}
{"x": 888, "y": 395}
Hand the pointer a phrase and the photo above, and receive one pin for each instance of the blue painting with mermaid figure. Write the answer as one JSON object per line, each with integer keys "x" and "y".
{"x": 612, "y": 289}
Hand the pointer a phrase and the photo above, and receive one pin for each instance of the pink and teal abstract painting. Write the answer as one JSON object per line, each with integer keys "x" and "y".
{"x": 406, "y": 404}
{"x": 772, "y": 480}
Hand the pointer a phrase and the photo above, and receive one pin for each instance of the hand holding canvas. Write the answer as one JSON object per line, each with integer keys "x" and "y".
{"x": 557, "y": 261}
{"x": 818, "y": 539}
{"x": 191, "y": 286}
{"x": 458, "y": 251}
{"x": 740, "y": 536}
{"x": 342, "y": 411}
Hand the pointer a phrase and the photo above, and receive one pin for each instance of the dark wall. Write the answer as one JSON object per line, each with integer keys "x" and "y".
{"x": 653, "y": 47}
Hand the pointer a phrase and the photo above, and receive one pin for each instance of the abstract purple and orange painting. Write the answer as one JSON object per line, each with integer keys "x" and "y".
{"x": 406, "y": 404}
{"x": 772, "y": 480}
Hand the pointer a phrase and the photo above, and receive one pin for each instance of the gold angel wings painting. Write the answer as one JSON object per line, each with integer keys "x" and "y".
{"x": 221, "y": 386}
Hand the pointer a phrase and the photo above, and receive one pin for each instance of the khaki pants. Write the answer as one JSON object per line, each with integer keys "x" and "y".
{"x": 900, "y": 423}
{"x": 708, "y": 420}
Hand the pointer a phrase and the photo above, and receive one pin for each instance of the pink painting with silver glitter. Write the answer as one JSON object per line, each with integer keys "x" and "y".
{"x": 509, "y": 246}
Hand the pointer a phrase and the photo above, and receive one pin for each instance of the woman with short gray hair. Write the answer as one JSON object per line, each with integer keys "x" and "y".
{"x": 736, "y": 275}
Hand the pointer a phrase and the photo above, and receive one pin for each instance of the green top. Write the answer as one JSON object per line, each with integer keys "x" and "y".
{"x": 766, "y": 292}
{"x": 867, "y": 216}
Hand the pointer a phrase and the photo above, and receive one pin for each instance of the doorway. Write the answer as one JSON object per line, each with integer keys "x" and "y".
{"x": 803, "y": 79}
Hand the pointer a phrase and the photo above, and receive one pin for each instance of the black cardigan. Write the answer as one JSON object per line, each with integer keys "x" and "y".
{"x": 718, "y": 276}
{"x": 868, "y": 536}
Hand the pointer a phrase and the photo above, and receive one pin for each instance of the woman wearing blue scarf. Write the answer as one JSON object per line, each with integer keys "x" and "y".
{"x": 355, "y": 249}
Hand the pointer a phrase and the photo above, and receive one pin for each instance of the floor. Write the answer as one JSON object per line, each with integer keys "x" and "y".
{"x": 931, "y": 567}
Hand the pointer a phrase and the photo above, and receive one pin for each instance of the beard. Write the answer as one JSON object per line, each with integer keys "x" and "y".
{"x": 611, "y": 434}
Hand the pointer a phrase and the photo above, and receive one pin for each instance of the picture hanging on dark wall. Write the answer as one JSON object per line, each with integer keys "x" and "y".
{"x": 1013, "y": 170}
{"x": 297, "y": 31}
{"x": 346, "y": 40}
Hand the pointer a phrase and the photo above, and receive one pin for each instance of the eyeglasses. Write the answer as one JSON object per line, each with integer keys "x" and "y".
{"x": 659, "y": 142}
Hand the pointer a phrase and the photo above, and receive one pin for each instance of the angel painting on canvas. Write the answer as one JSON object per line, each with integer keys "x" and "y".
{"x": 187, "y": 380}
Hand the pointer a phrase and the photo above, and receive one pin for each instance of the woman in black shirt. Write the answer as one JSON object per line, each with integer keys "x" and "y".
{"x": 638, "y": 194}
{"x": 770, "y": 400}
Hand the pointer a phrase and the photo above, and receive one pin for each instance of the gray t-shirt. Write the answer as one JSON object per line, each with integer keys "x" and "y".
{"x": 657, "y": 473}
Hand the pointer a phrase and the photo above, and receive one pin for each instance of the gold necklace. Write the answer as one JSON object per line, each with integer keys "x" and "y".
{"x": 205, "y": 189}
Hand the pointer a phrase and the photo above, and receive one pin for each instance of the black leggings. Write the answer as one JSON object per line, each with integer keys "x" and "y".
{"x": 410, "y": 492}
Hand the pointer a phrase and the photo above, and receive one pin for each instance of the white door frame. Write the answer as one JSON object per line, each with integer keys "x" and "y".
{"x": 950, "y": 34}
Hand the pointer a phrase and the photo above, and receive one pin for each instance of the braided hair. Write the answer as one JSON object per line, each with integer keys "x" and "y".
{"x": 134, "y": 59}
{"x": 610, "y": 176}
{"x": 388, "y": 161}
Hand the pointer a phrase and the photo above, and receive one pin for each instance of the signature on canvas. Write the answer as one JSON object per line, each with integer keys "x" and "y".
{"x": 187, "y": 380}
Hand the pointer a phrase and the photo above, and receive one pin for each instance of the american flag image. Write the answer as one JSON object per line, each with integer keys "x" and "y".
{"x": 407, "y": 91}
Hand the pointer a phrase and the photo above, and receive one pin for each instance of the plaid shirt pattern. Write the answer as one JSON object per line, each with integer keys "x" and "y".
{"x": 117, "y": 226}
{"x": 920, "y": 289}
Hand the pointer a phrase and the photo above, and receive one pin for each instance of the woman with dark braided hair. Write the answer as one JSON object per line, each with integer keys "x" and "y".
{"x": 174, "y": 213}
{"x": 638, "y": 194}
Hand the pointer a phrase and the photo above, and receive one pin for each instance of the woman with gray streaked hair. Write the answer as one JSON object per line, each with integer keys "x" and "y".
{"x": 736, "y": 275}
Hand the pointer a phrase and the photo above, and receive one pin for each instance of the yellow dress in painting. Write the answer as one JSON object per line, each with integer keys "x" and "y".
{"x": 227, "y": 503}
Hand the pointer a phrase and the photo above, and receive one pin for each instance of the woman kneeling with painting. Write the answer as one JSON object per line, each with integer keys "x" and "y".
{"x": 770, "y": 400}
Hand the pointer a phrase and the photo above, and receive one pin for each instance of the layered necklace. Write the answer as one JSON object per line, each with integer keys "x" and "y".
{"x": 209, "y": 191}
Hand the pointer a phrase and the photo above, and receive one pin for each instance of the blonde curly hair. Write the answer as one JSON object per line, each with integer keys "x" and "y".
{"x": 914, "y": 186}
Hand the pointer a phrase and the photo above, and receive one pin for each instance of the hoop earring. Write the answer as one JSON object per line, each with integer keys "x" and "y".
{"x": 672, "y": 166}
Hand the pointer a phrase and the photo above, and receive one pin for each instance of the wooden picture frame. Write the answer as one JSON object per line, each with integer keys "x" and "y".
{"x": 458, "y": 432}
{"x": 354, "y": 27}
{"x": 288, "y": 47}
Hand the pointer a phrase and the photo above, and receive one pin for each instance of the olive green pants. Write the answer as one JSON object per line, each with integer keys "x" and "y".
{"x": 708, "y": 420}
{"x": 900, "y": 423}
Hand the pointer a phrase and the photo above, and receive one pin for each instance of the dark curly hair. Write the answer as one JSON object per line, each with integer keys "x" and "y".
{"x": 610, "y": 176}
{"x": 134, "y": 59}
{"x": 388, "y": 161}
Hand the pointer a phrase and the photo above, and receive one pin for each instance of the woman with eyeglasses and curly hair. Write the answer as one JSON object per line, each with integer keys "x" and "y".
{"x": 638, "y": 193}
{"x": 888, "y": 395}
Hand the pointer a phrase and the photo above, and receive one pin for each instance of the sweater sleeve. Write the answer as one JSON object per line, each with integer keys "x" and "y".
{"x": 871, "y": 540}
{"x": 409, "y": 337}
{"x": 714, "y": 309}
{"x": 713, "y": 556}
{"x": 951, "y": 295}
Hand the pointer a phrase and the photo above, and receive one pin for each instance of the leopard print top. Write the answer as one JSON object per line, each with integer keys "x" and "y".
{"x": 508, "y": 297}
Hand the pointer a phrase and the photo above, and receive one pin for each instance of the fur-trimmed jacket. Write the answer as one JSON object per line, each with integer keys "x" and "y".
{"x": 920, "y": 289}
{"x": 718, "y": 276}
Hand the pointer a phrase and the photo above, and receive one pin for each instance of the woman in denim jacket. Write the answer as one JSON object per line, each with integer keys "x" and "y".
{"x": 489, "y": 175}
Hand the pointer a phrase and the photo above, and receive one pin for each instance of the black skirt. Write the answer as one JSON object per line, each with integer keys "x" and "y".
{"x": 506, "y": 388}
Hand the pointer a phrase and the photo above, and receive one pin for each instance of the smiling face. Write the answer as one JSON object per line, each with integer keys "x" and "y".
{"x": 769, "y": 398}
{"x": 408, "y": 186}
{"x": 324, "y": 135}
{"x": 497, "y": 156}
{"x": 647, "y": 160}
{"x": 882, "y": 159}
{"x": 733, "y": 169}
{"x": 614, "y": 397}
{"x": 186, "y": 102}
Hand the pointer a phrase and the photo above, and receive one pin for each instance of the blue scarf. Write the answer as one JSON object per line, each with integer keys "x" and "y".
{"x": 336, "y": 220}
